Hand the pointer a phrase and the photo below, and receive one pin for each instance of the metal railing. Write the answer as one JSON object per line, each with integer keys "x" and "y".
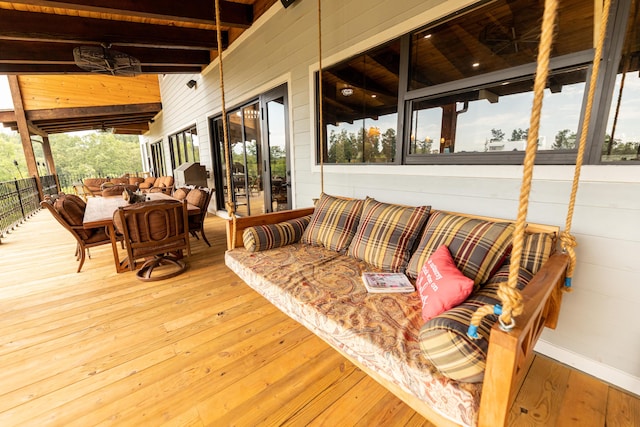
{"x": 18, "y": 201}
{"x": 19, "y": 198}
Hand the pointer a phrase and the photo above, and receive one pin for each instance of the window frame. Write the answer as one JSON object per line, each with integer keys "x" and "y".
{"x": 178, "y": 146}
{"x": 605, "y": 86}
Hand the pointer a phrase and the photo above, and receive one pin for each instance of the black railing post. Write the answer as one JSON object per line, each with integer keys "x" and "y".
{"x": 20, "y": 199}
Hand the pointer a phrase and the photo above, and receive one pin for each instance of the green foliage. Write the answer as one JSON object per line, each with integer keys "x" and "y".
{"x": 10, "y": 150}
{"x": 565, "y": 140}
{"x": 365, "y": 146}
{"x": 497, "y": 135}
{"x": 619, "y": 148}
{"x": 519, "y": 134}
{"x": 95, "y": 154}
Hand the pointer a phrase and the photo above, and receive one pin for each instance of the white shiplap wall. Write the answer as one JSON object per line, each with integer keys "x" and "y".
{"x": 598, "y": 331}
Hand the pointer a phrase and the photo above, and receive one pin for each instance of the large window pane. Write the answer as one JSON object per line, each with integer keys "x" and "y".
{"x": 497, "y": 36}
{"x": 622, "y": 140}
{"x": 496, "y": 117}
{"x": 360, "y": 105}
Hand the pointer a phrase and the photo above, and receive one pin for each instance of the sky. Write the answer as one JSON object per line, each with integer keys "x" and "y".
{"x": 5, "y": 99}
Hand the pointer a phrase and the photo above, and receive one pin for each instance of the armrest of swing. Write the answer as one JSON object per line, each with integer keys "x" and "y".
{"x": 511, "y": 353}
{"x": 234, "y": 235}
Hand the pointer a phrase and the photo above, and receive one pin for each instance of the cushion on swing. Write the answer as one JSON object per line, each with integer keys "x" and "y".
{"x": 478, "y": 246}
{"x": 386, "y": 233}
{"x": 333, "y": 222}
{"x": 263, "y": 237}
{"x": 444, "y": 340}
{"x": 536, "y": 250}
{"x": 441, "y": 285}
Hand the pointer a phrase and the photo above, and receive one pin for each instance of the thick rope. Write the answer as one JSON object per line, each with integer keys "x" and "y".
{"x": 508, "y": 291}
{"x": 320, "y": 96}
{"x": 567, "y": 239}
{"x": 227, "y": 155}
{"x": 618, "y": 103}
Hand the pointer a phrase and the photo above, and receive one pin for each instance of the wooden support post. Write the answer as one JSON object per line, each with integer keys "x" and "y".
{"x": 23, "y": 130}
{"x": 48, "y": 158}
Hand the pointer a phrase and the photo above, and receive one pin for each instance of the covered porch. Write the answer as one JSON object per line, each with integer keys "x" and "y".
{"x": 99, "y": 348}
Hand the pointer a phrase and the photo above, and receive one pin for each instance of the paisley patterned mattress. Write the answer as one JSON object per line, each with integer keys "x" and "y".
{"x": 323, "y": 291}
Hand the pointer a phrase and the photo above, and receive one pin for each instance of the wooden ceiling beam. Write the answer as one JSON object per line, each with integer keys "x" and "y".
{"x": 43, "y": 27}
{"x": 23, "y": 52}
{"x": 36, "y": 130}
{"x": 236, "y": 15}
{"x": 110, "y": 110}
{"x": 94, "y": 121}
{"x": 7, "y": 116}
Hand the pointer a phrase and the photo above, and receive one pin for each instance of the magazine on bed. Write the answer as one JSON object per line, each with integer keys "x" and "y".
{"x": 386, "y": 282}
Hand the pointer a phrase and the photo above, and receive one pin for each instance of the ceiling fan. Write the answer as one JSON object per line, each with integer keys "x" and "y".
{"x": 103, "y": 60}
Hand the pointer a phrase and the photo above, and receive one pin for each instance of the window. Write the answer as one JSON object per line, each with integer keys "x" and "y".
{"x": 184, "y": 147}
{"x": 157, "y": 159}
{"x": 494, "y": 118}
{"x": 622, "y": 139}
{"x": 360, "y": 107}
{"x": 459, "y": 91}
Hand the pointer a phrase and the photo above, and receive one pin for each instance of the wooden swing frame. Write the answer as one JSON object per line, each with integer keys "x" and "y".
{"x": 511, "y": 350}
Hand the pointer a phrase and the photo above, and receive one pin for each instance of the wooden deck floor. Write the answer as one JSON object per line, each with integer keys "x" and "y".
{"x": 100, "y": 348}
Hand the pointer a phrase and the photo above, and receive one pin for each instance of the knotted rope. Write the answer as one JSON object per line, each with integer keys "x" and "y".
{"x": 508, "y": 291}
{"x": 229, "y": 203}
{"x": 320, "y": 96}
{"x": 566, "y": 238}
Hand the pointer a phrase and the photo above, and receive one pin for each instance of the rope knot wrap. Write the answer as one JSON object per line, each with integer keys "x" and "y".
{"x": 568, "y": 246}
{"x": 472, "y": 332}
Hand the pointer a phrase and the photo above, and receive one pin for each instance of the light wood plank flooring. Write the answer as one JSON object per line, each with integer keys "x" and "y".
{"x": 100, "y": 348}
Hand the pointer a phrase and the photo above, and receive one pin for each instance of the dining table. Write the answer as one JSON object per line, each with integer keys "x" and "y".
{"x": 99, "y": 213}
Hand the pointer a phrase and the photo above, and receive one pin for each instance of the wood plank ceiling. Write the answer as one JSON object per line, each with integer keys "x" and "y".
{"x": 38, "y": 37}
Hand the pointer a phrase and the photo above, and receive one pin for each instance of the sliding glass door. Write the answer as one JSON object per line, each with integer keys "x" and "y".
{"x": 258, "y": 149}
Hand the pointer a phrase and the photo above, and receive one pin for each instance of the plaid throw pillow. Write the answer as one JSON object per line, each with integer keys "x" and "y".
{"x": 386, "y": 234}
{"x": 263, "y": 237}
{"x": 477, "y": 246}
{"x": 444, "y": 340}
{"x": 536, "y": 250}
{"x": 333, "y": 223}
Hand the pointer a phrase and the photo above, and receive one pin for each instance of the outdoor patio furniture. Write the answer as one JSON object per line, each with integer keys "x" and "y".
{"x": 162, "y": 184}
{"x": 68, "y": 210}
{"x": 100, "y": 213}
{"x": 117, "y": 189}
{"x": 200, "y": 197}
{"x": 156, "y": 231}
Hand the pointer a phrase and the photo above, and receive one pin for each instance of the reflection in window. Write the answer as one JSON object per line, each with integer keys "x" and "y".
{"x": 622, "y": 139}
{"x": 496, "y": 118}
{"x": 360, "y": 105}
{"x": 498, "y": 36}
{"x": 183, "y": 148}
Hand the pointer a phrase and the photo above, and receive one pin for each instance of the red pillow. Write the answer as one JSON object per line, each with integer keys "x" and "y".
{"x": 441, "y": 285}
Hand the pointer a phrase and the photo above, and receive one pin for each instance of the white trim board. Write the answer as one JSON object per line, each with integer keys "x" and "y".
{"x": 603, "y": 372}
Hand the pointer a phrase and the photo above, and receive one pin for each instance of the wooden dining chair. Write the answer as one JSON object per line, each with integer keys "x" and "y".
{"x": 156, "y": 232}
{"x": 200, "y": 197}
{"x": 68, "y": 210}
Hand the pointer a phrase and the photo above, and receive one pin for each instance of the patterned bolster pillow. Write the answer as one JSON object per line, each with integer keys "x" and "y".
{"x": 444, "y": 340}
{"x": 263, "y": 237}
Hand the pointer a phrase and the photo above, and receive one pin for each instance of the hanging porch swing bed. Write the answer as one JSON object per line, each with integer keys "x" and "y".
{"x": 453, "y": 350}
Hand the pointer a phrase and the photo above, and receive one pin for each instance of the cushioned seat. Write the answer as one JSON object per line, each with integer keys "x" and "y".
{"x": 68, "y": 210}
{"x": 117, "y": 189}
{"x": 156, "y": 231}
{"x": 199, "y": 197}
{"x": 162, "y": 184}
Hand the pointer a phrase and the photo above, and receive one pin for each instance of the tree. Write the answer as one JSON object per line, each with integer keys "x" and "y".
{"x": 94, "y": 154}
{"x": 565, "y": 140}
{"x": 497, "y": 135}
{"x": 388, "y": 145}
{"x": 519, "y": 134}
